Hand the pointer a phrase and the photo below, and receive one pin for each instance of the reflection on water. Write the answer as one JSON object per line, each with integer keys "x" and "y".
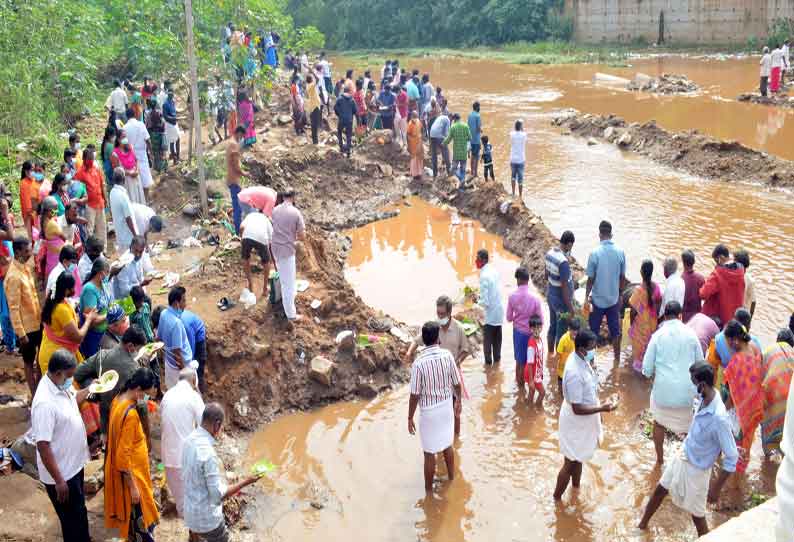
{"x": 357, "y": 462}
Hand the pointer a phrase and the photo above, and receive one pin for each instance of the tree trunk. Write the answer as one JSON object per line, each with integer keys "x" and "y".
{"x": 194, "y": 102}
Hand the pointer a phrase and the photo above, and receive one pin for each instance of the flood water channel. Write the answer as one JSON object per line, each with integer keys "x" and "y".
{"x": 356, "y": 460}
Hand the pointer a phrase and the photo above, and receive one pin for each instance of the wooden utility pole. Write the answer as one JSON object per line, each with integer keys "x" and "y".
{"x": 194, "y": 102}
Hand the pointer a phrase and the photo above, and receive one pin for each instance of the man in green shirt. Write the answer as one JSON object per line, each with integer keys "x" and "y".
{"x": 460, "y": 135}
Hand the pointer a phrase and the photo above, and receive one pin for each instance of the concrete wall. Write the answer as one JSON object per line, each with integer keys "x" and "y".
{"x": 685, "y": 21}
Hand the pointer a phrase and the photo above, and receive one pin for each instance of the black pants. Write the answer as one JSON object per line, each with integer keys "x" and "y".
{"x": 72, "y": 513}
{"x": 28, "y": 351}
{"x": 492, "y": 343}
{"x": 316, "y": 118}
{"x": 200, "y": 355}
{"x": 437, "y": 146}
{"x": 488, "y": 170}
{"x": 348, "y": 129}
{"x": 764, "y": 85}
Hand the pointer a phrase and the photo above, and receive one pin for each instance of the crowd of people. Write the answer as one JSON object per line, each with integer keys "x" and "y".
{"x": 774, "y": 65}
{"x": 713, "y": 380}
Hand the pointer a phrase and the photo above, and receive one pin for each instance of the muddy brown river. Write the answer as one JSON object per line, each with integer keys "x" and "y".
{"x": 351, "y": 470}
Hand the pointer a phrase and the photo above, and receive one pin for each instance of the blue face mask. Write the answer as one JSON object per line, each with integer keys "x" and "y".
{"x": 69, "y": 176}
{"x": 71, "y": 268}
{"x": 590, "y": 356}
{"x": 38, "y": 176}
{"x": 66, "y": 384}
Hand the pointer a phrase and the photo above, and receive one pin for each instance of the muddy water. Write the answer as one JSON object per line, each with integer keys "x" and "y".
{"x": 357, "y": 463}
{"x": 655, "y": 211}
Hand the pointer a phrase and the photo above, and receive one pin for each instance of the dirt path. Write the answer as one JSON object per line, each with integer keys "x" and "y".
{"x": 691, "y": 151}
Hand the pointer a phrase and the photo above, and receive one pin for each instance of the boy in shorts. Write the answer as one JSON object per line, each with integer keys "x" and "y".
{"x": 533, "y": 370}
{"x": 565, "y": 348}
{"x": 256, "y": 232}
{"x": 487, "y": 158}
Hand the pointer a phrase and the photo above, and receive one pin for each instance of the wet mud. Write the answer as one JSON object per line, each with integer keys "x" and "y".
{"x": 691, "y": 152}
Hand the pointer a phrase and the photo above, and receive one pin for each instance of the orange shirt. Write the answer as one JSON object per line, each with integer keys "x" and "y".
{"x": 93, "y": 179}
{"x": 28, "y": 191}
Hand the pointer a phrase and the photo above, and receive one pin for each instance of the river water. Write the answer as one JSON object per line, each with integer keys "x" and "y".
{"x": 356, "y": 461}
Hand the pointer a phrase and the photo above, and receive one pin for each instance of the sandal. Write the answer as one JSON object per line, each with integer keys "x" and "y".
{"x": 213, "y": 240}
{"x": 224, "y": 304}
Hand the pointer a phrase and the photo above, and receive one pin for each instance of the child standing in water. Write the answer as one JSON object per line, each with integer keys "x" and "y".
{"x": 565, "y": 348}
{"x": 487, "y": 157}
{"x": 533, "y": 370}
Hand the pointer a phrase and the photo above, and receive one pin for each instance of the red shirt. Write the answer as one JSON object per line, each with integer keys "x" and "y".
{"x": 692, "y": 282}
{"x": 93, "y": 179}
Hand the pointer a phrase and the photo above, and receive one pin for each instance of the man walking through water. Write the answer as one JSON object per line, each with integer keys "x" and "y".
{"x": 434, "y": 383}
{"x": 490, "y": 299}
{"x": 606, "y": 275}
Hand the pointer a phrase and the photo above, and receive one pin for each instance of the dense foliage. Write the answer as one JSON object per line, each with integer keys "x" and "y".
{"x": 387, "y": 24}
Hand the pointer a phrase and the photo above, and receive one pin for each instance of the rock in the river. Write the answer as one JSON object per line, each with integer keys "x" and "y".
{"x": 321, "y": 369}
{"x": 609, "y": 133}
{"x": 283, "y": 120}
{"x": 624, "y": 140}
{"x": 592, "y": 141}
{"x": 14, "y": 412}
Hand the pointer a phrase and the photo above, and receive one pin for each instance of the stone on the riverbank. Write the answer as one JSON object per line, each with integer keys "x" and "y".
{"x": 386, "y": 170}
{"x": 14, "y": 412}
{"x": 191, "y": 210}
{"x": 283, "y": 120}
{"x": 216, "y": 188}
{"x": 624, "y": 140}
{"x": 321, "y": 370}
{"x": 592, "y": 141}
{"x": 666, "y": 84}
{"x": 609, "y": 133}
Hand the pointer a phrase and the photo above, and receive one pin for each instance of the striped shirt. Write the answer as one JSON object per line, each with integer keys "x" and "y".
{"x": 558, "y": 270}
{"x": 433, "y": 376}
{"x": 460, "y": 136}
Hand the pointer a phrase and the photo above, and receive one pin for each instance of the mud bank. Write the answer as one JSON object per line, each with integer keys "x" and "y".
{"x": 778, "y": 100}
{"x": 667, "y": 83}
{"x": 692, "y": 152}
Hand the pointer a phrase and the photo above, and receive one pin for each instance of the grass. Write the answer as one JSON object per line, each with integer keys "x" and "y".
{"x": 546, "y": 52}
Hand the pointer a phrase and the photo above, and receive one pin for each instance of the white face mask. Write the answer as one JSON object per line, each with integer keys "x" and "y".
{"x": 443, "y": 321}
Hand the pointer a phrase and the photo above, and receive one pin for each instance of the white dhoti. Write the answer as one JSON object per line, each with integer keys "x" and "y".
{"x": 688, "y": 485}
{"x": 135, "y": 189}
{"x": 286, "y": 276}
{"x": 172, "y": 133}
{"x": 145, "y": 173}
{"x": 675, "y": 419}
{"x": 176, "y": 485}
{"x": 579, "y": 435}
{"x": 785, "y": 499}
{"x": 437, "y": 427}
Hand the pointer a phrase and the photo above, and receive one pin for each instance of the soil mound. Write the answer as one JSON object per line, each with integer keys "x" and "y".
{"x": 691, "y": 151}
{"x": 668, "y": 83}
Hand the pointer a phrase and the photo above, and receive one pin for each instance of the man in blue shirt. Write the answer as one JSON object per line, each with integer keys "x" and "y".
{"x": 197, "y": 338}
{"x": 606, "y": 276}
{"x": 438, "y": 132}
{"x": 687, "y": 477}
{"x": 475, "y": 127}
{"x": 171, "y": 330}
{"x": 387, "y": 102}
{"x": 673, "y": 349}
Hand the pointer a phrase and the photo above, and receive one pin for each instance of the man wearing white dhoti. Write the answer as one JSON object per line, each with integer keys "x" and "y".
{"x": 785, "y": 476}
{"x": 139, "y": 139}
{"x": 434, "y": 383}
{"x": 580, "y": 430}
{"x": 686, "y": 477}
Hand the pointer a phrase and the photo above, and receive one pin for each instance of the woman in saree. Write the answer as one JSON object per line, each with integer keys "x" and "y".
{"x": 415, "y": 147}
{"x": 644, "y": 302}
{"x": 60, "y": 191}
{"x": 106, "y": 149}
{"x": 95, "y": 297}
{"x": 777, "y": 370}
{"x": 129, "y": 496}
{"x": 246, "y": 115}
{"x": 124, "y": 156}
{"x": 743, "y": 380}
{"x": 54, "y": 238}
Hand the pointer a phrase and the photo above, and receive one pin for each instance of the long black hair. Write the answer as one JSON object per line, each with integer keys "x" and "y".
{"x": 27, "y": 167}
{"x": 646, "y": 270}
{"x": 99, "y": 265}
{"x": 736, "y": 330}
{"x": 64, "y": 283}
{"x": 141, "y": 379}
{"x": 110, "y": 135}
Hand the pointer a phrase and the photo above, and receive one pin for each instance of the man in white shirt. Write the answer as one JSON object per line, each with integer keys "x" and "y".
{"x": 180, "y": 410}
{"x": 786, "y": 61}
{"x": 146, "y": 220}
{"x": 777, "y": 69}
{"x": 256, "y": 231}
{"x": 121, "y": 209}
{"x": 62, "y": 449}
{"x": 674, "y": 288}
{"x": 93, "y": 250}
{"x": 134, "y": 273}
{"x": 67, "y": 261}
{"x": 490, "y": 299}
{"x": 518, "y": 145}
{"x": 138, "y": 136}
{"x": 117, "y": 102}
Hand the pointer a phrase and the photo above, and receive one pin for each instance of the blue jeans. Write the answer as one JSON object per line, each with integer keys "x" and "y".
{"x": 459, "y": 167}
{"x": 9, "y": 337}
{"x": 234, "y": 190}
{"x": 517, "y": 173}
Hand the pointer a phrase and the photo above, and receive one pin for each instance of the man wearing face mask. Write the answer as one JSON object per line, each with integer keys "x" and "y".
{"x": 120, "y": 359}
{"x": 180, "y": 411}
{"x": 205, "y": 480}
{"x": 67, "y": 261}
{"x": 687, "y": 477}
{"x": 723, "y": 291}
{"x": 118, "y": 324}
{"x": 451, "y": 337}
{"x": 580, "y": 431}
{"x": 91, "y": 175}
{"x": 133, "y": 273}
{"x": 93, "y": 250}
{"x": 139, "y": 140}
{"x": 121, "y": 209}
{"x": 673, "y": 349}
{"x": 61, "y": 445}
